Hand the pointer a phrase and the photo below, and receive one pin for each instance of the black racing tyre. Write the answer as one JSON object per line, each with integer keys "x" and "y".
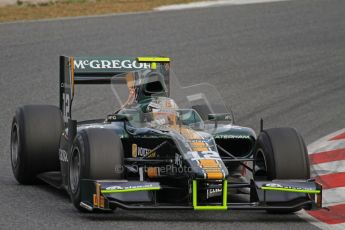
{"x": 96, "y": 154}
{"x": 281, "y": 153}
{"x": 35, "y": 138}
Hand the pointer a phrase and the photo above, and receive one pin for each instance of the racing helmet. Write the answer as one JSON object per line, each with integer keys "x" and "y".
{"x": 145, "y": 84}
{"x": 153, "y": 84}
{"x": 163, "y": 111}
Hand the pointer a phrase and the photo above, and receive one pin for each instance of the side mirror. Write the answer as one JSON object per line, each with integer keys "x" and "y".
{"x": 219, "y": 117}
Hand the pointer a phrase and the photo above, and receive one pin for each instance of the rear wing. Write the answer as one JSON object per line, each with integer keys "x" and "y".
{"x": 101, "y": 70}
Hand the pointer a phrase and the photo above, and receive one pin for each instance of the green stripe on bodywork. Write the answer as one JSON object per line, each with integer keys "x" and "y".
{"x": 211, "y": 208}
{"x": 129, "y": 190}
{"x": 291, "y": 190}
{"x": 224, "y": 206}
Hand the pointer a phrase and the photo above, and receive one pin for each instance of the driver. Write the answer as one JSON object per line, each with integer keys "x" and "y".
{"x": 163, "y": 111}
{"x": 148, "y": 93}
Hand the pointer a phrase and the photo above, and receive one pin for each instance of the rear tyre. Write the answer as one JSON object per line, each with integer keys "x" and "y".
{"x": 35, "y": 138}
{"x": 96, "y": 154}
{"x": 281, "y": 153}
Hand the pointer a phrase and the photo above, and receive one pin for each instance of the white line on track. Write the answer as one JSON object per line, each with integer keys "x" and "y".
{"x": 77, "y": 17}
{"x": 328, "y": 168}
{"x": 333, "y": 197}
{"x": 203, "y": 4}
{"x": 323, "y": 144}
{"x": 327, "y": 146}
{"x": 155, "y": 10}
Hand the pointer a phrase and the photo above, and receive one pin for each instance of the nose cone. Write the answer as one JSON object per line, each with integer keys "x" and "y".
{"x": 200, "y": 153}
{"x": 204, "y": 167}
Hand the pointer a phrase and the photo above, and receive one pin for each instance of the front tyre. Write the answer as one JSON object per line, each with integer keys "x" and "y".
{"x": 281, "y": 153}
{"x": 96, "y": 154}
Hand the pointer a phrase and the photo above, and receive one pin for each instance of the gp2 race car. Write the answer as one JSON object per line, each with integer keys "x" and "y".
{"x": 156, "y": 152}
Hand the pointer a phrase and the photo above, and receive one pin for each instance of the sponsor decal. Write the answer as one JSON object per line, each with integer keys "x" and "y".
{"x": 117, "y": 187}
{"x": 197, "y": 140}
{"x": 141, "y": 152}
{"x": 232, "y": 137}
{"x": 213, "y": 192}
{"x": 275, "y": 185}
{"x": 109, "y": 64}
{"x": 63, "y": 155}
{"x": 194, "y": 156}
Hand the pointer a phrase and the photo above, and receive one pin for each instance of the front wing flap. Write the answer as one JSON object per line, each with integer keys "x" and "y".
{"x": 98, "y": 193}
{"x": 280, "y": 191}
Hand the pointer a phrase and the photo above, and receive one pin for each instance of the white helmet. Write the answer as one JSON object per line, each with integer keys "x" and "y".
{"x": 163, "y": 111}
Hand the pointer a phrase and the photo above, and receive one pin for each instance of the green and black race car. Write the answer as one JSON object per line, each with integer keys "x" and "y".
{"x": 165, "y": 146}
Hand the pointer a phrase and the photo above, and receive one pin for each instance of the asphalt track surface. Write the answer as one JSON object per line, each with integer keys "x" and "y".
{"x": 282, "y": 61}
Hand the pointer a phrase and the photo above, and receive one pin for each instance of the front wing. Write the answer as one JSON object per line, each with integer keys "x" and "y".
{"x": 141, "y": 195}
